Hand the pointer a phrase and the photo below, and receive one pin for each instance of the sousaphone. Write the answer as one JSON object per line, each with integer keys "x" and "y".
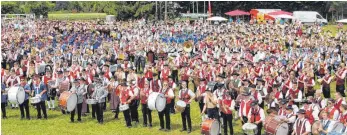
{"x": 188, "y": 46}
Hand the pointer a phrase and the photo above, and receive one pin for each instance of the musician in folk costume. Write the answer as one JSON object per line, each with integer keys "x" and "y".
{"x": 200, "y": 94}
{"x": 261, "y": 90}
{"x": 320, "y": 100}
{"x": 227, "y": 107}
{"x": 275, "y": 97}
{"x": 256, "y": 115}
{"x": 80, "y": 91}
{"x": 155, "y": 83}
{"x": 257, "y": 96}
{"x": 340, "y": 79}
{"x": 3, "y": 101}
{"x": 290, "y": 118}
{"x": 343, "y": 116}
{"x": 39, "y": 89}
{"x": 114, "y": 90}
{"x": 51, "y": 93}
{"x": 325, "y": 124}
{"x": 294, "y": 95}
{"x": 339, "y": 100}
{"x": 135, "y": 101}
{"x": 245, "y": 107}
{"x": 146, "y": 112}
{"x": 25, "y": 104}
{"x": 13, "y": 80}
{"x": 169, "y": 95}
{"x": 333, "y": 112}
{"x": 126, "y": 96}
{"x": 301, "y": 126}
{"x": 326, "y": 80}
{"x": 100, "y": 94}
{"x": 187, "y": 96}
{"x": 173, "y": 86}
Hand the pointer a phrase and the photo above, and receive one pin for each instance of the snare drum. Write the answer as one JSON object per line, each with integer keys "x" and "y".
{"x": 210, "y": 127}
{"x": 250, "y": 129}
{"x": 156, "y": 101}
{"x": 123, "y": 107}
{"x": 68, "y": 101}
{"x": 274, "y": 126}
{"x": 16, "y": 95}
{"x": 180, "y": 106}
{"x": 91, "y": 101}
{"x": 35, "y": 100}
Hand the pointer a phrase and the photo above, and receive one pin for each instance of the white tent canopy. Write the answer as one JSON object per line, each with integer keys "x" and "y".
{"x": 217, "y": 18}
{"x": 283, "y": 16}
{"x": 342, "y": 21}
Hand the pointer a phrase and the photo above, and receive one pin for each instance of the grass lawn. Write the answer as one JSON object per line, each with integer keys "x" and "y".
{"x": 333, "y": 28}
{"x": 76, "y": 16}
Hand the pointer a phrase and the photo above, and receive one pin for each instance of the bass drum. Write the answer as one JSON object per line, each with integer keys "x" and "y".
{"x": 16, "y": 95}
{"x": 275, "y": 127}
{"x": 156, "y": 101}
{"x": 210, "y": 127}
{"x": 68, "y": 101}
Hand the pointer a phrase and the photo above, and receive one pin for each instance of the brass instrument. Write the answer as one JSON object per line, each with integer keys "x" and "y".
{"x": 188, "y": 46}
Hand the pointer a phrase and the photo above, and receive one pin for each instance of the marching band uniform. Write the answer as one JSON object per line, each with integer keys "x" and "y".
{"x": 135, "y": 102}
{"x": 40, "y": 89}
{"x": 256, "y": 115}
{"x": 3, "y": 101}
{"x": 290, "y": 119}
{"x": 227, "y": 113}
{"x": 301, "y": 125}
{"x": 80, "y": 91}
{"x": 245, "y": 107}
{"x": 169, "y": 94}
{"x": 125, "y": 98}
{"x": 100, "y": 93}
{"x": 201, "y": 89}
{"x": 186, "y": 95}
{"x": 25, "y": 104}
{"x": 340, "y": 81}
{"x": 50, "y": 94}
{"x": 333, "y": 113}
{"x": 326, "y": 85}
{"x": 146, "y": 112}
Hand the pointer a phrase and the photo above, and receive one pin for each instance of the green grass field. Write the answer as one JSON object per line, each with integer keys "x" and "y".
{"x": 76, "y": 16}
{"x": 333, "y": 28}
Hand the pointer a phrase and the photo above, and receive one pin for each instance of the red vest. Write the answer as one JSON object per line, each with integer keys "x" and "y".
{"x": 300, "y": 84}
{"x": 46, "y": 79}
{"x": 331, "y": 112}
{"x": 185, "y": 96}
{"x": 282, "y": 112}
{"x": 298, "y": 127}
{"x": 227, "y": 102}
{"x": 165, "y": 74}
{"x": 185, "y": 76}
{"x": 255, "y": 115}
{"x": 132, "y": 88}
{"x": 247, "y": 105}
{"x": 168, "y": 100}
{"x": 124, "y": 96}
{"x": 338, "y": 104}
{"x": 107, "y": 75}
{"x": 155, "y": 85}
{"x": 144, "y": 98}
{"x": 149, "y": 74}
{"x": 343, "y": 118}
{"x": 141, "y": 82}
{"x": 202, "y": 89}
{"x": 340, "y": 81}
{"x": 309, "y": 116}
{"x": 324, "y": 83}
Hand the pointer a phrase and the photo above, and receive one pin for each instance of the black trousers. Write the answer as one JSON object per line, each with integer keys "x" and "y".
{"x": 326, "y": 92}
{"x": 212, "y": 113}
{"x": 185, "y": 115}
{"x": 201, "y": 106}
{"x": 175, "y": 75}
{"x": 117, "y": 111}
{"x": 161, "y": 114}
{"x": 259, "y": 126}
{"x": 245, "y": 120}
{"x": 3, "y": 109}
{"x": 99, "y": 112}
{"x": 146, "y": 113}
{"x": 341, "y": 89}
{"x": 94, "y": 107}
{"x": 228, "y": 121}
{"x": 126, "y": 114}
{"x": 79, "y": 112}
{"x": 133, "y": 111}
{"x": 24, "y": 105}
{"x": 40, "y": 106}
{"x": 172, "y": 106}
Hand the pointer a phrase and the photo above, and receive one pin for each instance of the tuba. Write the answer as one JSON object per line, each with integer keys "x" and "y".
{"x": 188, "y": 47}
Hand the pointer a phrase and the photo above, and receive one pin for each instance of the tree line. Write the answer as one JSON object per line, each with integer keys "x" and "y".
{"x": 137, "y": 9}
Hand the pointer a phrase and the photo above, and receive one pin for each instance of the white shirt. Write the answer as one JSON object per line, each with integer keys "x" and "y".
{"x": 291, "y": 118}
{"x": 299, "y": 97}
{"x": 190, "y": 93}
{"x": 170, "y": 92}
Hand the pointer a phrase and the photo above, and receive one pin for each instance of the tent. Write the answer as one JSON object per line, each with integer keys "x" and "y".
{"x": 342, "y": 21}
{"x": 283, "y": 16}
{"x": 280, "y": 13}
{"x": 237, "y": 13}
{"x": 217, "y": 18}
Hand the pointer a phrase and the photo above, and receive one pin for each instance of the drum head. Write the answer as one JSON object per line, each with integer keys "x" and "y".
{"x": 12, "y": 95}
{"x": 152, "y": 100}
{"x": 160, "y": 102}
{"x": 214, "y": 127}
{"x": 282, "y": 129}
{"x": 71, "y": 102}
{"x": 181, "y": 103}
{"x": 20, "y": 95}
{"x": 338, "y": 127}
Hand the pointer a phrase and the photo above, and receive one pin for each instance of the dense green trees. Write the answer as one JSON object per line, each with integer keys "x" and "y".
{"x": 138, "y": 9}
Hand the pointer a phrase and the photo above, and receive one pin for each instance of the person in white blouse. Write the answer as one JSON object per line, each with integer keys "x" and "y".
{"x": 187, "y": 96}
{"x": 289, "y": 118}
{"x": 257, "y": 116}
{"x": 301, "y": 126}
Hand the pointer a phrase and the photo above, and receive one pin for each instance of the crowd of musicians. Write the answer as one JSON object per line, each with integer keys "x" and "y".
{"x": 233, "y": 71}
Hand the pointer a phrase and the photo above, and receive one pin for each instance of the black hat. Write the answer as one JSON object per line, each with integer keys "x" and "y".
{"x": 276, "y": 85}
{"x": 82, "y": 79}
{"x": 254, "y": 103}
{"x": 260, "y": 80}
{"x": 60, "y": 72}
{"x": 252, "y": 86}
{"x": 284, "y": 101}
{"x": 235, "y": 74}
{"x": 76, "y": 81}
{"x": 246, "y": 93}
{"x": 301, "y": 111}
{"x": 289, "y": 107}
{"x": 124, "y": 84}
{"x": 140, "y": 72}
{"x": 106, "y": 65}
{"x": 221, "y": 75}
